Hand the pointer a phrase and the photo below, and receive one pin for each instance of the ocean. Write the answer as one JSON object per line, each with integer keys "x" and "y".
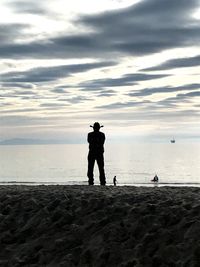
{"x": 133, "y": 164}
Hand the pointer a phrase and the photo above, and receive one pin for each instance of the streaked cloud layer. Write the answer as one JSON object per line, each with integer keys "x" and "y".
{"x": 132, "y": 65}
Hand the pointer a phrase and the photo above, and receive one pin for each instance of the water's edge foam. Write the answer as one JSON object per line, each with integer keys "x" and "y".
{"x": 150, "y": 184}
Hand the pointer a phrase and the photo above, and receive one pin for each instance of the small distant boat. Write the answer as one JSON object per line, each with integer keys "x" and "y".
{"x": 172, "y": 141}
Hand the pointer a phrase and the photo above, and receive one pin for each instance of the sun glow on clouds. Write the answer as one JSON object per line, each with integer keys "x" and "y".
{"x": 65, "y": 64}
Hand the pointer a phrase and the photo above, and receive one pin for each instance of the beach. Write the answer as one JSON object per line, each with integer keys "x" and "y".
{"x": 99, "y": 226}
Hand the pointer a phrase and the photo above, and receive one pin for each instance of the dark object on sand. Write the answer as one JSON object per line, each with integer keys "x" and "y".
{"x": 115, "y": 181}
{"x": 96, "y": 141}
{"x": 155, "y": 178}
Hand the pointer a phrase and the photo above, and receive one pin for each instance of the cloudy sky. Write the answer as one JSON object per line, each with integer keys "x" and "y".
{"x": 132, "y": 65}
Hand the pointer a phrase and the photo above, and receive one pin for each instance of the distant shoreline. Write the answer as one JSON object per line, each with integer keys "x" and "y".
{"x": 24, "y": 141}
{"x": 21, "y": 141}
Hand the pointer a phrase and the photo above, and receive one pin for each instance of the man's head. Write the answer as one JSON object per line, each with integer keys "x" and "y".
{"x": 96, "y": 126}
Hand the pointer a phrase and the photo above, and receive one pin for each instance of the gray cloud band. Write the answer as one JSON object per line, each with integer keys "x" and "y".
{"x": 45, "y": 74}
{"x": 144, "y": 28}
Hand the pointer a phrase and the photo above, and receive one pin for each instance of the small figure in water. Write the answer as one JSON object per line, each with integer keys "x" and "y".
{"x": 96, "y": 141}
{"x": 155, "y": 178}
{"x": 115, "y": 181}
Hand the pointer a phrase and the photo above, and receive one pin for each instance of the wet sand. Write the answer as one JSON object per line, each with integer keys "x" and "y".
{"x": 99, "y": 226}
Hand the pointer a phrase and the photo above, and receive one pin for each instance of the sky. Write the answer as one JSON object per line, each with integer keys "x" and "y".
{"x": 131, "y": 65}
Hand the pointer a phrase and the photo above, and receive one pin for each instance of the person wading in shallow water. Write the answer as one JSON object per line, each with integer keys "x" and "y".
{"x": 96, "y": 141}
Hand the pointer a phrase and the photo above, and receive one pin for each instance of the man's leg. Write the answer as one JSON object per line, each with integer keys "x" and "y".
{"x": 91, "y": 160}
{"x": 100, "y": 162}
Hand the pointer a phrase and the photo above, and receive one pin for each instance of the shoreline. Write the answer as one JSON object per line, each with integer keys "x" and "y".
{"x": 85, "y": 183}
{"x": 78, "y": 225}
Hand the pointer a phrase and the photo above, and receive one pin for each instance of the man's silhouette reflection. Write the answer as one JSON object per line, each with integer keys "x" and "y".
{"x": 96, "y": 141}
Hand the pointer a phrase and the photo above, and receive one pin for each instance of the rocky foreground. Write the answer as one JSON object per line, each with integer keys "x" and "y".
{"x": 99, "y": 226}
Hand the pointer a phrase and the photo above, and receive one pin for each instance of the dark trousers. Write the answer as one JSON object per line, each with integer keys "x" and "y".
{"x": 100, "y": 162}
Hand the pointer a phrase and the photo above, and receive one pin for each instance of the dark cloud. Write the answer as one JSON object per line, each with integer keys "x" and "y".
{"x": 22, "y": 110}
{"x": 53, "y": 105}
{"x": 170, "y": 102}
{"x": 179, "y": 99}
{"x": 76, "y": 99}
{"x": 189, "y": 95}
{"x": 86, "y": 42}
{"x": 176, "y": 63}
{"x": 62, "y": 87}
{"x": 107, "y": 93}
{"x": 147, "y": 27}
{"x": 17, "y": 85}
{"x": 10, "y": 32}
{"x": 150, "y": 26}
{"x": 125, "y": 80}
{"x": 30, "y": 97}
{"x": 27, "y": 50}
{"x": 119, "y": 105}
{"x": 32, "y": 7}
{"x": 24, "y": 93}
{"x": 164, "y": 89}
{"x": 46, "y": 74}
{"x": 20, "y": 94}
{"x": 59, "y": 91}
{"x": 79, "y": 46}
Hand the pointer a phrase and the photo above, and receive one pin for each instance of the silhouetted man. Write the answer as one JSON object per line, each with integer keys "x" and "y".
{"x": 96, "y": 141}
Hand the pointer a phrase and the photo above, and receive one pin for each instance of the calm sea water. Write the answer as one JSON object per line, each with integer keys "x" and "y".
{"x": 131, "y": 163}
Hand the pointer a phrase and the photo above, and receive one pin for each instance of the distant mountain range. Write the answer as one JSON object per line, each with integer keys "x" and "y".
{"x": 24, "y": 141}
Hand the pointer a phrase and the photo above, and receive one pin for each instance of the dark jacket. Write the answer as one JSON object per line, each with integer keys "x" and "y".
{"x": 96, "y": 141}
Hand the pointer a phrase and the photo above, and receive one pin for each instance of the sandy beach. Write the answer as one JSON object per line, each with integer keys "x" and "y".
{"x": 99, "y": 226}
